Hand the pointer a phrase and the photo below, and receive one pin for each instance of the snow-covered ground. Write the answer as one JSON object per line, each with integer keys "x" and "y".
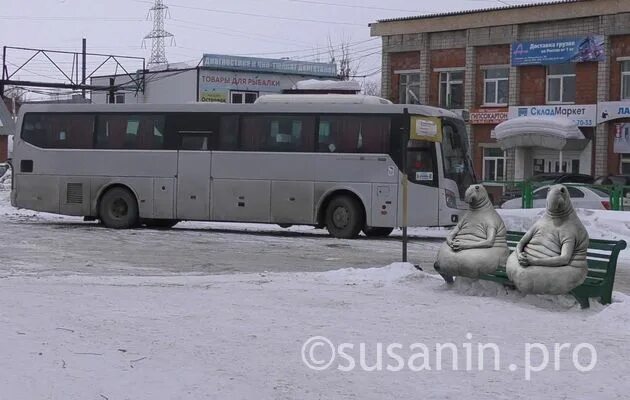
{"x": 227, "y": 310}
{"x": 242, "y": 336}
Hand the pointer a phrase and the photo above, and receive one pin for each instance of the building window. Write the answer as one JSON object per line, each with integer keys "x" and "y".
{"x": 409, "y": 89}
{"x": 496, "y": 86}
{"x": 561, "y": 83}
{"x": 625, "y": 80}
{"x": 493, "y": 164}
{"x": 117, "y": 98}
{"x": 243, "y": 97}
{"x": 625, "y": 164}
{"x": 452, "y": 89}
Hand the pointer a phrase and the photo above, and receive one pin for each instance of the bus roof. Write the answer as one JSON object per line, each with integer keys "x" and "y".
{"x": 299, "y": 108}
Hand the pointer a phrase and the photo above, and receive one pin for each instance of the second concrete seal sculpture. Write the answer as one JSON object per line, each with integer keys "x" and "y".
{"x": 551, "y": 257}
{"x": 477, "y": 245}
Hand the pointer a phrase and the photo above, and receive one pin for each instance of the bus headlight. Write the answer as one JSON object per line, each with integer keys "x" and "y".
{"x": 451, "y": 199}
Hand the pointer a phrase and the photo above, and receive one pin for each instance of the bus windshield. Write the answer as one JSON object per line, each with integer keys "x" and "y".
{"x": 457, "y": 163}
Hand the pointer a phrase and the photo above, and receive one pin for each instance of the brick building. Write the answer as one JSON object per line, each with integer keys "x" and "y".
{"x": 570, "y": 58}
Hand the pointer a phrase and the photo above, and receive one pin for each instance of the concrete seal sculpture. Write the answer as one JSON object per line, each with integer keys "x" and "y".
{"x": 477, "y": 245}
{"x": 551, "y": 257}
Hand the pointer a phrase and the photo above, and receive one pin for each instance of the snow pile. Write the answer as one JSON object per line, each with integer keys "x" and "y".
{"x": 393, "y": 273}
{"x": 600, "y": 224}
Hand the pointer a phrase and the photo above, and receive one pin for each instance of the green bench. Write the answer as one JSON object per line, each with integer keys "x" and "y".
{"x": 602, "y": 264}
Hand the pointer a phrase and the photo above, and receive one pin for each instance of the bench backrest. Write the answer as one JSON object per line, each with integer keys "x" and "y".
{"x": 601, "y": 256}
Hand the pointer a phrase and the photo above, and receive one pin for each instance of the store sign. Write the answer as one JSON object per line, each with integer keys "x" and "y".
{"x": 488, "y": 116}
{"x": 426, "y": 128}
{"x": 582, "y": 115}
{"x": 215, "y": 85}
{"x": 559, "y": 51}
{"x": 238, "y": 63}
{"x": 622, "y": 138}
{"x": 612, "y": 110}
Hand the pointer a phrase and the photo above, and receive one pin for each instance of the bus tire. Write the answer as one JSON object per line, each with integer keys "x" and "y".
{"x": 160, "y": 223}
{"x": 377, "y": 231}
{"x": 344, "y": 217}
{"x": 118, "y": 209}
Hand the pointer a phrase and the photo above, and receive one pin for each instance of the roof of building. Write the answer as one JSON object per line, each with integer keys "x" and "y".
{"x": 479, "y": 10}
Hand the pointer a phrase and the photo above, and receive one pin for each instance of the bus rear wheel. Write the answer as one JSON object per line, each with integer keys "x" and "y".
{"x": 344, "y": 217}
{"x": 118, "y": 209}
{"x": 377, "y": 231}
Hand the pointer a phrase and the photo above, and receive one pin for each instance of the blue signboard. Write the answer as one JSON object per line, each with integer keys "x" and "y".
{"x": 238, "y": 63}
{"x": 559, "y": 51}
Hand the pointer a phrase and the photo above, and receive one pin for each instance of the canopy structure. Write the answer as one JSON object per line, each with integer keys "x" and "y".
{"x": 552, "y": 133}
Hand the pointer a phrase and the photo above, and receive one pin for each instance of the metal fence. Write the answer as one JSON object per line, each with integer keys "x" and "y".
{"x": 618, "y": 194}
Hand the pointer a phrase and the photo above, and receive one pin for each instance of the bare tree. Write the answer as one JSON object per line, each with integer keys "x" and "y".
{"x": 341, "y": 55}
{"x": 371, "y": 88}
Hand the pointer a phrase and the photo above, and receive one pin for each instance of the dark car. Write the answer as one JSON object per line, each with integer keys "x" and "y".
{"x": 553, "y": 178}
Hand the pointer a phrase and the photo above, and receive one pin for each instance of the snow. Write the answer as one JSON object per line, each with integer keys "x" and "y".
{"x": 92, "y": 313}
{"x": 600, "y": 224}
{"x": 315, "y": 84}
{"x": 241, "y": 336}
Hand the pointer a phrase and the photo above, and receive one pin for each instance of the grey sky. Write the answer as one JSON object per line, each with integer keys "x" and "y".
{"x": 219, "y": 26}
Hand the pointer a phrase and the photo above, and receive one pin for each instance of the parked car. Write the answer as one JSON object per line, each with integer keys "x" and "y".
{"x": 547, "y": 179}
{"x": 4, "y": 167}
{"x": 581, "y": 197}
{"x": 551, "y": 178}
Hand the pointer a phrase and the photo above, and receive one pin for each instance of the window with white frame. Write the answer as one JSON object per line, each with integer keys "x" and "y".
{"x": 625, "y": 164}
{"x": 496, "y": 86}
{"x": 452, "y": 89}
{"x": 625, "y": 80}
{"x": 493, "y": 164}
{"x": 409, "y": 88}
{"x": 561, "y": 83}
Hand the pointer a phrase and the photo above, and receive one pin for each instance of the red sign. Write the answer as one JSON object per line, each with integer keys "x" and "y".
{"x": 488, "y": 116}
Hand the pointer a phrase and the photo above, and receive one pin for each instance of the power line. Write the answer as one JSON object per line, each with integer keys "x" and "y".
{"x": 61, "y": 18}
{"x": 261, "y": 15}
{"x": 351, "y": 6}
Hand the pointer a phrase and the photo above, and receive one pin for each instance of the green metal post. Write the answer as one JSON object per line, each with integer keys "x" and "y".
{"x": 528, "y": 201}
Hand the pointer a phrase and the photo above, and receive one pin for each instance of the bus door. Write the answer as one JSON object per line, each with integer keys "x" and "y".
{"x": 194, "y": 162}
{"x": 423, "y": 193}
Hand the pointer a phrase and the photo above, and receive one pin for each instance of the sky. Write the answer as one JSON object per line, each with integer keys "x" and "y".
{"x": 297, "y": 29}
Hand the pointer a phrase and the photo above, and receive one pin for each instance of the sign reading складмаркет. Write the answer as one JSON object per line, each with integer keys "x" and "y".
{"x": 582, "y": 115}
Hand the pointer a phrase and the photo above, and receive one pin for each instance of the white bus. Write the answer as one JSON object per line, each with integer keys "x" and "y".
{"x": 331, "y": 161}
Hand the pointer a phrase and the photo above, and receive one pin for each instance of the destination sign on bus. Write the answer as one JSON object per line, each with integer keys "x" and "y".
{"x": 426, "y": 128}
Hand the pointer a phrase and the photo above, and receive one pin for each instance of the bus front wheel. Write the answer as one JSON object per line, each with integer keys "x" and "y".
{"x": 377, "y": 231}
{"x": 119, "y": 209}
{"x": 344, "y": 217}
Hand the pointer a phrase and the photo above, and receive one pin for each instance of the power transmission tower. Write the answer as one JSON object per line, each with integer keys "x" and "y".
{"x": 158, "y": 34}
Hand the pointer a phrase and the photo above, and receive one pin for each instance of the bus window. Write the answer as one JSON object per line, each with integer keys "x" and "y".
{"x": 353, "y": 134}
{"x": 195, "y": 131}
{"x": 457, "y": 165}
{"x": 421, "y": 165}
{"x": 130, "y": 132}
{"x": 277, "y": 133}
{"x": 59, "y": 131}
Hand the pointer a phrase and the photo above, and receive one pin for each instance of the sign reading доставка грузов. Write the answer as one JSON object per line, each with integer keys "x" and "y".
{"x": 559, "y": 51}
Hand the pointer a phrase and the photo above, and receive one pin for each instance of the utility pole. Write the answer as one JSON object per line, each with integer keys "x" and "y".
{"x": 159, "y": 12}
{"x": 83, "y": 67}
